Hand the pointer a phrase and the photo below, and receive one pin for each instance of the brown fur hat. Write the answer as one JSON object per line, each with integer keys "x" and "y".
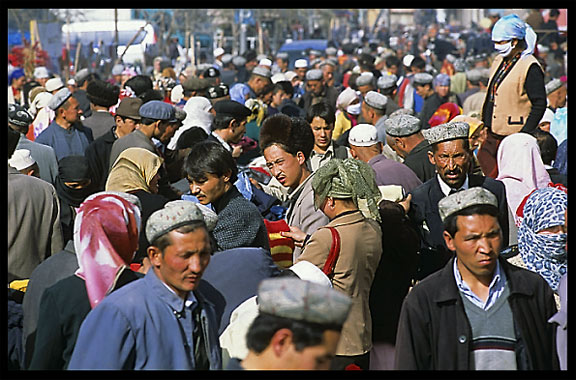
{"x": 294, "y": 134}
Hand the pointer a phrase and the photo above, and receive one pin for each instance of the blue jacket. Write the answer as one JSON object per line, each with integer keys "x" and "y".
{"x": 144, "y": 325}
{"x": 66, "y": 142}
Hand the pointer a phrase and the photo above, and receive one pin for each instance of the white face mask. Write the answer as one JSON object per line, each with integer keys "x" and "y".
{"x": 504, "y": 49}
{"x": 354, "y": 109}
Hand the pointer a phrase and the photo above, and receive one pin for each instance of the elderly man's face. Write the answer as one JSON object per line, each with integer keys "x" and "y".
{"x": 314, "y": 86}
{"x": 452, "y": 161}
{"x": 182, "y": 263}
{"x": 72, "y": 112}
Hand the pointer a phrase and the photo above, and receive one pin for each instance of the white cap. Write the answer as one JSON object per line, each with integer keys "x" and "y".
{"x": 300, "y": 63}
{"x": 218, "y": 52}
{"x": 265, "y": 62}
{"x": 279, "y": 77}
{"x": 21, "y": 159}
{"x": 289, "y": 75}
{"x": 53, "y": 84}
{"x": 548, "y": 116}
{"x": 41, "y": 72}
{"x": 363, "y": 135}
{"x": 407, "y": 61}
{"x": 310, "y": 272}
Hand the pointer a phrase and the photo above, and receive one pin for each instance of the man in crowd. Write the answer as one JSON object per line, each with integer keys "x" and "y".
{"x": 161, "y": 321}
{"x": 472, "y": 314}
{"x": 298, "y": 326}
{"x": 102, "y": 96}
{"x": 229, "y": 125}
{"x": 317, "y": 91}
{"x": 451, "y": 155}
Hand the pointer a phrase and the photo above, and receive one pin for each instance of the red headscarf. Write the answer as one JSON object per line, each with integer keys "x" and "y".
{"x": 444, "y": 114}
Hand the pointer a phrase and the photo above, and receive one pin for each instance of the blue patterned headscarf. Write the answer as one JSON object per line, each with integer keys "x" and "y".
{"x": 238, "y": 92}
{"x": 544, "y": 253}
{"x": 511, "y": 26}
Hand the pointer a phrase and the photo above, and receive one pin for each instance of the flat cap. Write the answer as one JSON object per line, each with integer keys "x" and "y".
{"x": 445, "y": 132}
{"x": 232, "y": 108}
{"x": 387, "y": 81}
{"x": 458, "y": 201}
{"x": 21, "y": 159}
{"x": 158, "y": 110}
{"x": 262, "y": 71}
{"x": 314, "y": 74}
{"x": 363, "y": 135}
{"x": 423, "y": 78}
{"x": 300, "y": 63}
{"x": 553, "y": 85}
{"x": 53, "y": 84}
{"x": 19, "y": 116}
{"x": 219, "y": 91}
{"x": 173, "y": 215}
{"x": 402, "y": 125}
{"x": 376, "y": 100}
{"x": 59, "y": 98}
{"x": 365, "y": 79}
{"x": 303, "y": 300}
{"x": 129, "y": 107}
{"x": 195, "y": 84}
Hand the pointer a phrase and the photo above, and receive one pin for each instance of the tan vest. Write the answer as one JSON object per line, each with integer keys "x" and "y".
{"x": 511, "y": 103}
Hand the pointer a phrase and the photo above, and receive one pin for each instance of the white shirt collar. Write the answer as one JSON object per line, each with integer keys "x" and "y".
{"x": 446, "y": 189}
{"x": 226, "y": 145}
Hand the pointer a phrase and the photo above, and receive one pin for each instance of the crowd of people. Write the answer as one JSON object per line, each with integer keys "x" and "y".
{"x": 363, "y": 207}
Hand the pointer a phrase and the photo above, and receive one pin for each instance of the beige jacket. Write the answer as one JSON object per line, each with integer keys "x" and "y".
{"x": 360, "y": 251}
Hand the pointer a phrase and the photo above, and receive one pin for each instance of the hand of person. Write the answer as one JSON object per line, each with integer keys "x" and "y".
{"x": 406, "y": 203}
{"x": 236, "y": 151}
{"x": 295, "y": 234}
{"x": 255, "y": 183}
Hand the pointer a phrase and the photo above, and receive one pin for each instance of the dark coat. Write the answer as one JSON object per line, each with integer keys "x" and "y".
{"x": 418, "y": 161}
{"x": 150, "y": 204}
{"x": 435, "y": 334}
{"x": 98, "y": 155}
{"x": 99, "y": 122}
{"x": 424, "y": 208}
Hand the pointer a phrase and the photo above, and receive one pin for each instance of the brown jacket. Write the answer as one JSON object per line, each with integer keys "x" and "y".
{"x": 511, "y": 103}
{"x": 360, "y": 251}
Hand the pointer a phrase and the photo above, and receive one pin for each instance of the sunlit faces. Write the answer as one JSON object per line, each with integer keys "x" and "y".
{"x": 285, "y": 167}
{"x": 477, "y": 245}
{"x": 182, "y": 263}
{"x": 322, "y": 133}
{"x": 210, "y": 188}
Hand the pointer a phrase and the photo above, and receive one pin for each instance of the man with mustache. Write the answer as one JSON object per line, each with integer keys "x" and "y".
{"x": 162, "y": 321}
{"x": 479, "y": 312}
{"x": 451, "y": 156}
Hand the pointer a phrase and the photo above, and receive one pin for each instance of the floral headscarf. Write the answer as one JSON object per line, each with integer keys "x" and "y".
{"x": 106, "y": 231}
{"x": 544, "y": 253}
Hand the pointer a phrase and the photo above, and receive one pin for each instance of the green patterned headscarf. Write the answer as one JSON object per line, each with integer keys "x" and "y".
{"x": 348, "y": 178}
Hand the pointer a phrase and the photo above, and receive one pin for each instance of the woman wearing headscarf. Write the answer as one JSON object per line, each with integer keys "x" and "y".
{"x": 445, "y": 113}
{"x": 521, "y": 169}
{"x": 346, "y": 191}
{"x": 516, "y": 97}
{"x": 199, "y": 113}
{"x": 542, "y": 235}
{"x": 347, "y": 109}
{"x": 105, "y": 237}
{"x": 73, "y": 184}
{"x": 135, "y": 171}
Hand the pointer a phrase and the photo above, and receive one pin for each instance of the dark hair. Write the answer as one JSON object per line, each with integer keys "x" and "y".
{"x": 221, "y": 121}
{"x": 149, "y": 95}
{"x": 393, "y": 60}
{"x": 293, "y": 134}
{"x": 286, "y": 86}
{"x": 554, "y": 13}
{"x": 163, "y": 241}
{"x": 210, "y": 157}
{"x": 89, "y": 78}
{"x": 139, "y": 84}
{"x": 190, "y": 137}
{"x": 547, "y": 144}
{"x": 322, "y": 110}
{"x": 450, "y": 224}
{"x": 268, "y": 88}
{"x": 418, "y": 62}
{"x": 305, "y": 334}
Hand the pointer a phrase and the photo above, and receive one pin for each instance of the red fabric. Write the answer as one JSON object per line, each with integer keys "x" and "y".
{"x": 281, "y": 248}
{"x": 444, "y": 114}
{"x": 352, "y": 367}
{"x": 520, "y": 209}
{"x": 334, "y": 253}
{"x": 261, "y": 170}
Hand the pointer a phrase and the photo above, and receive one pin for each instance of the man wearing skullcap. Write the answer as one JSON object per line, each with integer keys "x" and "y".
{"x": 102, "y": 96}
{"x": 161, "y": 321}
{"x": 386, "y": 85}
{"x": 365, "y": 146}
{"x": 23, "y": 162}
{"x": 439, "y": 95}
{"x": 452, "y": 158}
{"x": 556, "y": 92}
{"x": 258, "y": 80}
{"x": 298, "y": 327}
{"x": 83, "y": 78}
{"x": 317, "y": 90}
{"x": 66, "y": 134}
{"x": 404, "y": 136}
{"x": 472, "y": 84}
{"x": 516, "y": 97}
{"x": 443, "y": 322}
{"x": 346, "y": 191}
{"x": 474, "y": 102}
{"x": 19, "y": 120}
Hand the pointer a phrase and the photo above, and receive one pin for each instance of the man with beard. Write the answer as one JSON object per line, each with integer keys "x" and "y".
{"x": 452, "y": 157}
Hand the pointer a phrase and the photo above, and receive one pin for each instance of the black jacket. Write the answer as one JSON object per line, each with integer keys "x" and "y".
{"x": 435, "y": 334}
{"x": 424, "y": 208}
